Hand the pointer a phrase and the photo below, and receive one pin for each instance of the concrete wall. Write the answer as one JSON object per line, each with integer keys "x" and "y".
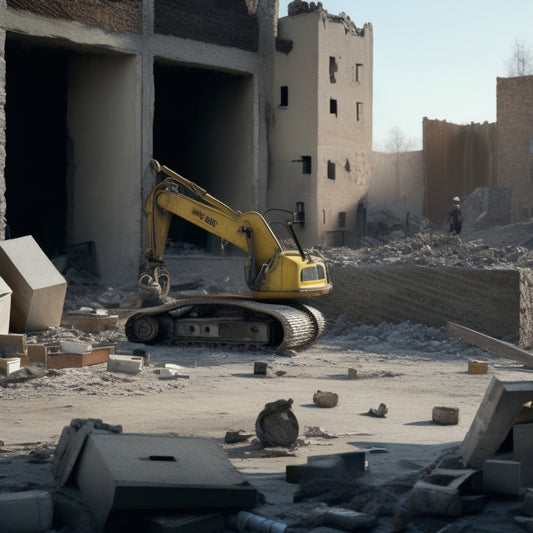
{"x": 318, "y": 58}
{"x": 514, "y": 128}
{"x": 498, "y": 303}
{"x": 104, "y": 128}
{"x": 458, "y": 159}
{"x": 397, "y": 182}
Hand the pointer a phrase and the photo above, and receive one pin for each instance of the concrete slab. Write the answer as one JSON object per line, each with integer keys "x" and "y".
{"x": 27, "y": 511}
{"x": 5, "y": 306}
{"x": 523, "y": 451}
{"x": 127, "y": 364}
{"x": 120, "y": 474}
{"x": 502, "y": 477}
{"x": 38, "y": 287}
{"x": 503, "y": 405}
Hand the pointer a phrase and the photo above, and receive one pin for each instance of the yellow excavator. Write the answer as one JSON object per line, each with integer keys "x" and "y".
{"x": 272, "y": 317}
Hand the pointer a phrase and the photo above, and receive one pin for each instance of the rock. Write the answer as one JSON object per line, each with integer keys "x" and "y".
{"x": 276, "y": 424}
{"x": 380, "y": 412}
{"x": 325, "y": 399}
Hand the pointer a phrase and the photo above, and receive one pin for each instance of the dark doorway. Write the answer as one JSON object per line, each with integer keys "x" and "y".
{"x": 199, "y": 118}
{"x": 36, "y": 140}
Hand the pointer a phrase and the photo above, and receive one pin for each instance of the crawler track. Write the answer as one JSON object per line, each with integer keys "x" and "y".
{"x": 225, "y": 320}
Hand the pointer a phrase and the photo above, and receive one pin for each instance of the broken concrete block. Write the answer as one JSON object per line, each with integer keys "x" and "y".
{"x": 477, "y": 367}
{"x": 9, "y": 365}
{"x": 120, "y": 474}
{"x": 38, "y": 287}
{"x": 325, "y": 399}
{"x": 26, "y": 512}
{"x": 260, "y": 368}
{"x": 445, "y": 416}
{"x": 380, "y": 412}
{"x": 5, "y": 306}
{"x": 527, "y": 505}
{"x": 523, "y": 452}
{"x": 13, "y": 342}
{"x": 92, "y": 323}
{"x": 501, "y": 477}
{"x": 502, "y": 405}
{"x": 75, "y": 347}
{"x": 127, "y": 364}
{"x": 172, "y": 373}
{"x": 352, "y": 373}
{"x": 441, "y": 491}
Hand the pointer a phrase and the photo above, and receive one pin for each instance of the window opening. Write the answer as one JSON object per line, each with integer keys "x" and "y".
{"x": 306, "y": 164}
{"x": 332, "y": 69}
{"x": 358, "y": 71}
{"x": 331, "y": 170}
{"x": 342, "y": 219}
{"x": 333, "y": 106}
{"x": 284, "y": 96}
{"x": 359, "y": 111}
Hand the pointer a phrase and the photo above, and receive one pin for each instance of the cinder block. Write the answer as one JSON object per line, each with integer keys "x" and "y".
{"x": 38, "y": 287}
{"x": 26, "y": 512}
{"x": 9, "y": 365}
{"x": 523, "y": 451}
{"x": 122, "y": 474}
{"x": 477, "y": 367}
{"x": 127, "y": 364}
{"x": 501, "y": 477}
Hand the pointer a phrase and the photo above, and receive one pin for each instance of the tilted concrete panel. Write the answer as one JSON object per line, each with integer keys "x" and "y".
{"x": 498, "y": 303}
{"x": 121, "y": 475}
{"x": 38, "y": 287}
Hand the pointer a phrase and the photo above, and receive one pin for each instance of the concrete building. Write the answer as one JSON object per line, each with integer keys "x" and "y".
{"x": 91, "y": 91}
{"x": 320, "y": 124}
{"x": 514, "y": 130}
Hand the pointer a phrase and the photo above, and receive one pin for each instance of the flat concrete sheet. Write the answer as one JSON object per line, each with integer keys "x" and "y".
{"x": 135, "y": 472}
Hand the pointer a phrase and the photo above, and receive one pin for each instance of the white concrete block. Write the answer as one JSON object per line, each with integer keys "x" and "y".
{"x": 26, "y": 512}
{"x": 127, "y": 364}
{"x": 502, "y": 477}
{"x": 38, "y": 287}
{"x": 9, "y": 365}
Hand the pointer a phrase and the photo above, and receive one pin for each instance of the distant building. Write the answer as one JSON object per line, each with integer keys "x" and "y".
{"x": 320, "y": 124}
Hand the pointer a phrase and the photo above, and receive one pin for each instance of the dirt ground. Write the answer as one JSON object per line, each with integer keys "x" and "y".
{"x": 410, "y": 368}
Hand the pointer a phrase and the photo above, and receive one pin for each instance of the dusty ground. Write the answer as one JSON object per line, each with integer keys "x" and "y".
{"x": 409, "y": 367}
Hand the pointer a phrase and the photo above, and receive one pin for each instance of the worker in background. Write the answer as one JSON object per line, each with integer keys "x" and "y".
{"x": 455, "y": 219}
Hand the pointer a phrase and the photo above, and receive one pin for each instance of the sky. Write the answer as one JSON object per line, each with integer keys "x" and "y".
{"x": 438, "y": 60}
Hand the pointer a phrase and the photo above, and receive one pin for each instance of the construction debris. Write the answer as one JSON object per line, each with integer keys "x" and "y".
{"x": 325, "y": 399}
{"x": 276, "y": 424}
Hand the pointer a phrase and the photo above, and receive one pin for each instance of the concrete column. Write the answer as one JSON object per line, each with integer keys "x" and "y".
{"x": 2, "y": 129}
{"x": 147, "y": 100}
{"x": 267, "y": 16}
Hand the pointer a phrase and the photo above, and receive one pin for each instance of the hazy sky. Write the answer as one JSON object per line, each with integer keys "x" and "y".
{"x": 438, "y": 60}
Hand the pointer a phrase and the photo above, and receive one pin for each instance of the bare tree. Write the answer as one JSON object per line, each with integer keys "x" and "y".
{"x": 398, "y": 142}
{"x": 521, "y": 61}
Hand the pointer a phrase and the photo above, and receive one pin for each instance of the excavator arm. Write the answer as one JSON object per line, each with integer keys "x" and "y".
{"x": 271, "y": 272}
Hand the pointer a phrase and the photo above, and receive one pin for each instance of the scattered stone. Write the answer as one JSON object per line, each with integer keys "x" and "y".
{"x": 380, "y": 412}
{"x": 260, "y": 368}
{"x": 280, "y": 373}
{"x": 352, "y": 373}
{"x": 325, "y": 399}
{"x": 315, "y": 431}
{"x": 446, "y": 416}
{"x": 233, "y": 437}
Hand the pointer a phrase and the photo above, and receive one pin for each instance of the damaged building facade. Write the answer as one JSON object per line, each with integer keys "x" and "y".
{"x": 91, "y": 91}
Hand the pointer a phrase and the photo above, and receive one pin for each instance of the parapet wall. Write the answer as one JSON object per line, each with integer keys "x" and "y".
{"x": 498, "y": 303}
